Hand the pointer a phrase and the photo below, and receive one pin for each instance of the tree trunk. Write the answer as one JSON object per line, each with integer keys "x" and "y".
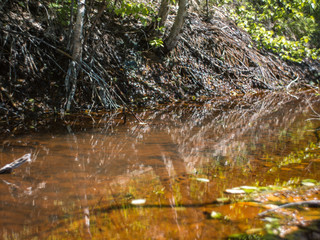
{"x": 74, "y": 66}
{"x": 163, "y": 15}
{"x": 173, "y": 37}
{"x": 207, "y": 8}
{"x": 163, "y": 12}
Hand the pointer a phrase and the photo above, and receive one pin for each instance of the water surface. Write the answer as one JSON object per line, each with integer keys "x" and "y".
{"x": 85, "y": 174}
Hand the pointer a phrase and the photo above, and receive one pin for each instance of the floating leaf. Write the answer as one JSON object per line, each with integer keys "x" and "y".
{"x": 215, "y": 215}
{"x": 235, "y": 191}
{"x": 309, "y": 182}
{"x": 138, "y": 201}
{"x": 269, "y": 206}
{"x": 271, "y": 220}
{"x": 223, "y": 200}
{"x": 249, "y": 189}
{"x": 263, "y": 189}
{"x": 202, "y": 180}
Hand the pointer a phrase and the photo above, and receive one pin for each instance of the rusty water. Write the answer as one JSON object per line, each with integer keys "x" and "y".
{"x": 85, "y": 175}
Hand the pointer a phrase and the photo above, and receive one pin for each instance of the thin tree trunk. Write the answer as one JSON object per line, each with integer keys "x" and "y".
{"x": 73, "y": 70}
{"x": 71, "y": 23}
{"x": 163, "y": 12}
{"x": 163, "y": 15}
{"x": 207, "y": 8}
{"x": 173, "y": 37}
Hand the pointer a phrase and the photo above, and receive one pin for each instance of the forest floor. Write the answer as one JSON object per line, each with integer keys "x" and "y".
{"x": 213, "y": 59}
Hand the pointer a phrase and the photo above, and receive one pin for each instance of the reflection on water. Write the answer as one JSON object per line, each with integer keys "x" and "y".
{"x": 81, "y": 181}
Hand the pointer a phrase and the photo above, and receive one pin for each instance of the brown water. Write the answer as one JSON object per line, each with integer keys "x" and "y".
{"x": 85, "y": 174}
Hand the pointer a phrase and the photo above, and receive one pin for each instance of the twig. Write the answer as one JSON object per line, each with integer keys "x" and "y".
{"x": 9, "y": 167}
{"x": 312, "y": 202}
{"x": 288, "y": 86}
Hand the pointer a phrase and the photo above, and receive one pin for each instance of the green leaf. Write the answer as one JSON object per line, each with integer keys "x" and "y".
{"x": 216, "y": 215}
{"x": 235, "y": 191}
{"x": 202, "y": 180}
{"x": 138, "y": 201}
{"x": 223, "y": 200}
{"x": 249, "y": 189}
{"x": 309, "y": 182}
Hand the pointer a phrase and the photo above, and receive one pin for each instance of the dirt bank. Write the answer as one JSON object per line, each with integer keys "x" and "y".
{"x": 214, "y": 58}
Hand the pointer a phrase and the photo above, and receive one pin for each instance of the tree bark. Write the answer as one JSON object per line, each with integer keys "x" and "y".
{"x": 163, "y": 15}
{"x": 163, "y": 12}
{"x": 173, "y": 37}
{"x": 73, "y": 70}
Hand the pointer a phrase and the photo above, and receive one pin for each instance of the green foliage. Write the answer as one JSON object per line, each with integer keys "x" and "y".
{"x": 139, "y": 11}
{"x": 272, "y": 226}
{"x": 296, "y": 157}
{"x": 157, "y": 42}
{"x": 288, "y": 28}
{"x": 62, "y": 8}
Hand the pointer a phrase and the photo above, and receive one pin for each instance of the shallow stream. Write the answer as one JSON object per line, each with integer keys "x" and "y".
{"x": 113, "y": 177}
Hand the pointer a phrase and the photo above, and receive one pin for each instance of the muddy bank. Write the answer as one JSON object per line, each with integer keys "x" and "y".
{"x": 214, "y": 59}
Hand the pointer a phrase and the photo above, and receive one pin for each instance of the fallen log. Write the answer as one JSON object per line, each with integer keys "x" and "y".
{"x": 9, "y": 167}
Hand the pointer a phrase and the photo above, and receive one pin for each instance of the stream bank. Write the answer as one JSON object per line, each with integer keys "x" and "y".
{"x": 214, "y": 59}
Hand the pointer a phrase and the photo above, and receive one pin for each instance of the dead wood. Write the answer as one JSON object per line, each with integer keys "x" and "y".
{"x": 293, "y": 204}
{"x": 9, "y": 167}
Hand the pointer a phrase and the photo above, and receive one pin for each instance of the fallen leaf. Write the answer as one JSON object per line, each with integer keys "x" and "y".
{"x": 235, "y": 191}
{"x": 202, "y": 180}
{"x": 138, "y": 201}
{"x": 215, "y": 215}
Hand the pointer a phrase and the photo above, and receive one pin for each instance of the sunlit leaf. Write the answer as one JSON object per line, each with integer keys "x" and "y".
{"x": 263, "y": 188}
{"x": 202, "y": 180}
{"x": 223, "y": 200}
{"x": 270, "y": 206}
{"x": 309, "y": 181}
{"x": 309, "y": 184}
{"x": 235, "y": 191}
{"x": 271, "y": 219}
{"x": 249, "y": 189}
{"x": 215, "y": 215}
{"x": 138, "y": 201}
